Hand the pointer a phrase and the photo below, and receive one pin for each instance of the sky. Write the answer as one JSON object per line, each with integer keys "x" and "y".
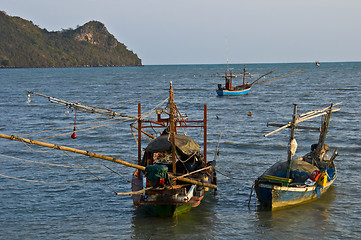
{"x": 163, "y": 32}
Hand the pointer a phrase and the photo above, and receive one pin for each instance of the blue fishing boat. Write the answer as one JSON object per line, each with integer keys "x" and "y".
{"x": 233, "y": 92}
{"x": 229, "y": 90}
{"x": 296, "y": 181}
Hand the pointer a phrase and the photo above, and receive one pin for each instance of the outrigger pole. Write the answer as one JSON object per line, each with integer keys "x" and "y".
{"x": 104, "y": 157}
{"x": 82, "y": 107}
{"x": 304, "y": 117}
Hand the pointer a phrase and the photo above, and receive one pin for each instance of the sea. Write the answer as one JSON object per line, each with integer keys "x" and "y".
{"x": 51, "y": 194}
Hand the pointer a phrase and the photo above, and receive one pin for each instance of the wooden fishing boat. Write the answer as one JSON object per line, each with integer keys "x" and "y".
{"x": 230, "y": 90}
{"x": 173, "y": 175}
{"x": 296, "y": 181}
{"x": 175, "y": 155}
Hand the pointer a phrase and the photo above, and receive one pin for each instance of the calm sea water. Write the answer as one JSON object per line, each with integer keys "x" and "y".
{"x": 90, "y": 209}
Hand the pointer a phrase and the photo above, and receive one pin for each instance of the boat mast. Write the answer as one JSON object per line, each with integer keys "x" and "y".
{"x": 139, "y": 134}
{"x": 172, "y": 126}
{"x": 292, "y": 144}
{"x": 205, "y": 134}
{"x": 244, "y": 74}
{"x": 324, "y": 130}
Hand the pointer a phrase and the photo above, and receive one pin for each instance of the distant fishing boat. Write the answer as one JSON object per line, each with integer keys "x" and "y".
{"x": 295, "y": 181}
{"x": 229, "y": 90}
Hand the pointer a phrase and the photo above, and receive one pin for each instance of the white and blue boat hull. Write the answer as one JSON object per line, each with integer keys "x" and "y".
{"x": 225, "y": 92}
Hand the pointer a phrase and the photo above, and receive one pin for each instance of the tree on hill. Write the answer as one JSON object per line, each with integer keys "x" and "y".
{"x": 25, "y": 45}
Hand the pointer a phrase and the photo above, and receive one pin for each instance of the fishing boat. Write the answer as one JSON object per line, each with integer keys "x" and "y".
{"x": 296, "y": 181}
{"x": 173, "y": 175}
{"x": 168, "y": 160}
{"x": 229, "y": 90}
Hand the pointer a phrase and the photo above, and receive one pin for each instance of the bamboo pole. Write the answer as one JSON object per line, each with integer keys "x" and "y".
{"x": 91, "y": 154}
{"x": 317, "y": 111}
{"x": 317, "y": 115}
{"x": 188, "y": 174}
{"x": 298, "y": 127}
{"x": 306, "y": 116}
{"x": 68, "y": 149}
{"x": 277, "y": 130}
{"x": 254, "y": 82}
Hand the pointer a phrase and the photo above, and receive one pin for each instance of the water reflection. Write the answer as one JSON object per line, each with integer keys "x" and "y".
{"x": 200, "y": 221}
{"x": 310, "y": 219}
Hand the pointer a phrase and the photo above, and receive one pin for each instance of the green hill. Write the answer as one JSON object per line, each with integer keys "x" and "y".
{"x": 24, "y": 45}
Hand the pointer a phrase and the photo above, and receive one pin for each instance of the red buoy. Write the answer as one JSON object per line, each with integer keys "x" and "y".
{"x": 73, "y": 136}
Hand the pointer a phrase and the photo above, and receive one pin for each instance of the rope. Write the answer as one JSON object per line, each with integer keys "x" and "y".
{"x": 37, "y": 181}
{"x": 220, "y": 171}
{"x": 151, "y": 112}
{"x": 111, "y": 170}
{"x": 281, "y": 76}
{"x": 129, "y": 100}
{"x": 95, "y": 176}
{"x": 250, "y": 195}
{"x": 49, "y": 164}
{"x": 85, "y": 129}
{"x": 135, "y": 138}
{"x": 36, "y": 150}
{"x": 79, "y": 125}
{"x": 60, "y": 165}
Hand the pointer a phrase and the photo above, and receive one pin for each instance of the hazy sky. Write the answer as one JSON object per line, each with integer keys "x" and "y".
{"x": 212, "y": 31}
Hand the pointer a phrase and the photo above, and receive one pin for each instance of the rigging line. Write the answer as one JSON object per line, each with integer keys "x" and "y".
{"x": 50, "y": 164}
{"x": 79, "y": 125}
{"x": 218, "y": 169}
{"x": 125, "y": 120}
{"x": 227, "y": 175}
{"x": 38, "y": 181}
{"x": 45, "y": 151}
{"x": 135, "y": 138}
{"x": 151, "y": 112}
{"x": 129, "y": 100}
{"x": 281, "y": 76}
{"x": 112, "y": 171}
{"x": 95, "y": 176}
